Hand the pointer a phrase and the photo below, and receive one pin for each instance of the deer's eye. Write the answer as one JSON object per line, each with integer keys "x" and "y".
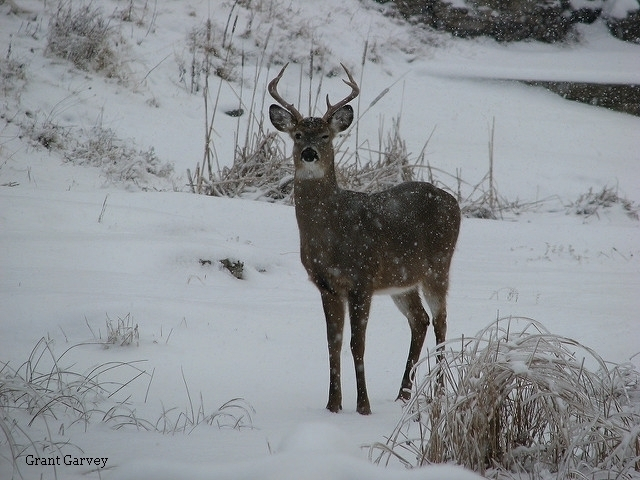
{"x": 297, "y": 135}
{"x": 325, "y": 136}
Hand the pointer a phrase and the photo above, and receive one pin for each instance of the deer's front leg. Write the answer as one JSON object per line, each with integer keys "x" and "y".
{"x": 359, "y": 305}
{"x": 334, "y": 314}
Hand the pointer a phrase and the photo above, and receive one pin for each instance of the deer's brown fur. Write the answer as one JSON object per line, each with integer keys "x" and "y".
{"x": 399, "y": 241}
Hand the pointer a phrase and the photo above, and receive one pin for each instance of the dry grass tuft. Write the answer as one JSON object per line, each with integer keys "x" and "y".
{"x": 591, "y": 203}
{"x": 517, "y": 402}
{"x": 122, "y": 332}
{"x": 43, "y": 401}
{"x": 120, "y": 159}
{"x": 84, "y": 36}
{"x": 260, "y": 171}
{"x": 388, "y": 165}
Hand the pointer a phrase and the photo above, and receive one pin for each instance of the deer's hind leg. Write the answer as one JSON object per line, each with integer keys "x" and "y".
{"x": 435, "y": 294}
{"x": 410, "y": 304}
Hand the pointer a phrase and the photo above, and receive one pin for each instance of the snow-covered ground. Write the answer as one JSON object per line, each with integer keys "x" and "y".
{"x": 77, "y": 248}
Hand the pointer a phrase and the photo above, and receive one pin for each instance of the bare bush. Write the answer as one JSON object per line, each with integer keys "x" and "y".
{"x": 515, "y": 401}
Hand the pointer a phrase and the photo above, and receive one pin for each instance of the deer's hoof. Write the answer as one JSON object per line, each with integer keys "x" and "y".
{"x": 404, "y": 395}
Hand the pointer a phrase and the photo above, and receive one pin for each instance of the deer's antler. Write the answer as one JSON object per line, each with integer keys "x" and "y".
{"x": 273, "y": 91}
{"x": 355, "y": 90}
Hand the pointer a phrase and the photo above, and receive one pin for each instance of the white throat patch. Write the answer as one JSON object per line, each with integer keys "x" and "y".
{"x": 309, "y": 171}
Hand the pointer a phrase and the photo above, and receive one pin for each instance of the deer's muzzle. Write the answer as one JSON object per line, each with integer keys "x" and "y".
{"x": 309, "y": 155}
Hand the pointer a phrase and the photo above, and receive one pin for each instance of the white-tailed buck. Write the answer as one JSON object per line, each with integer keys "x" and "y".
{"x": 399, "y": 241}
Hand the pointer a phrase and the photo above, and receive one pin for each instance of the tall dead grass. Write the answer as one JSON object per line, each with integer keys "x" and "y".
{"x": 43, "y": 400}
{"x": 516, "y": 401}
{"x": 262, "y": 168}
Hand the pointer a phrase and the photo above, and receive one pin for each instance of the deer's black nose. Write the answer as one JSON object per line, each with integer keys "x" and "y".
{"x": 309, "y": 155}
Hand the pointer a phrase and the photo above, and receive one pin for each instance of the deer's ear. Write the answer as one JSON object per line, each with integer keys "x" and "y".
{"x": 281, "y": 118}
{"x": 341, "y": 119}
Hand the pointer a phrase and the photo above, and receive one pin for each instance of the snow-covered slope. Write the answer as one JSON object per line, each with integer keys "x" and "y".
{"x": 78, "y": 248}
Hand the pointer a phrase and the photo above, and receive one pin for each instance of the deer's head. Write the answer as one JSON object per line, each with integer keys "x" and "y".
{"x": 312, "y": 137}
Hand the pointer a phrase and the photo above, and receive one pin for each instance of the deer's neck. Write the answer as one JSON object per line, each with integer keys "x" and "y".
{"x": 315, "y": 200}
{"x": 314, "y": 195}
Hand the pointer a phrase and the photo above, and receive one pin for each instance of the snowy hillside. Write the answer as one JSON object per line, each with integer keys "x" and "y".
{"x": 222, "y": 377}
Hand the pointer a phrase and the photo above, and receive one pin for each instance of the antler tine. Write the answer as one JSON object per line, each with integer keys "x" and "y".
{"x": 355, "y": 91}
{"x": 273, "y": 91}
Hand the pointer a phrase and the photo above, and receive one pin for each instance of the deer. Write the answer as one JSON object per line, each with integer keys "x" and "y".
{"x": 398, "y": 241}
